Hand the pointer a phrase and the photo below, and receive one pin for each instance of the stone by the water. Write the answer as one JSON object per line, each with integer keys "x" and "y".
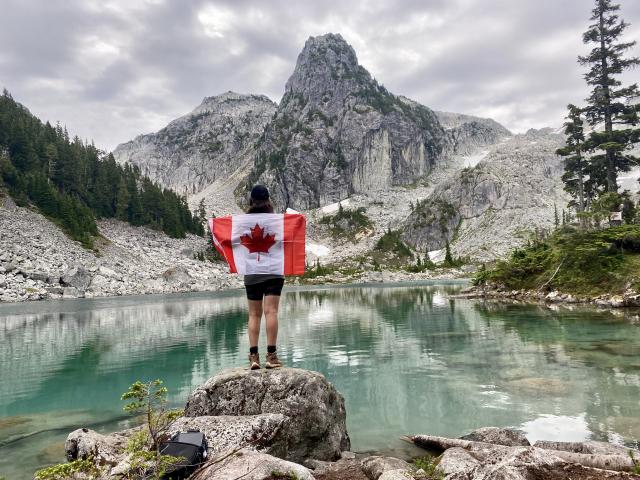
{"x": 317, "y": 426}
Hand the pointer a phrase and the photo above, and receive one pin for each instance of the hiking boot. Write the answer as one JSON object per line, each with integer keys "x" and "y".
{"x": 273, "y": 361}
{"x": 254, "y": 361}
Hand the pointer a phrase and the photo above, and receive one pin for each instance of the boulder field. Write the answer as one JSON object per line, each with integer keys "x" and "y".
{"x": 291, "y": 424}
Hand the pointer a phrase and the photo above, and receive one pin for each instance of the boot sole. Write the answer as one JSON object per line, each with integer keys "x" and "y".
{"x": 254, "y": 366}
{"x": 270, "y": 366}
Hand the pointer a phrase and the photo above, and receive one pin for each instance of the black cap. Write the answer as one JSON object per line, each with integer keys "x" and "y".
{"x": 260, "y": 192}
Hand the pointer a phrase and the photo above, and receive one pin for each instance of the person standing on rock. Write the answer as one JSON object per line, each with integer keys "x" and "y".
{"x": 263, "y": 295}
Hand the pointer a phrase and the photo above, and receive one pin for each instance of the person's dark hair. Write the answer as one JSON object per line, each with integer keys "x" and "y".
{"x": 259, "y": 201}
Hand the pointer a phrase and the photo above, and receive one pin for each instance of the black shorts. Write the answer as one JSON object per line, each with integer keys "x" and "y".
{"x": 262, "y": 289}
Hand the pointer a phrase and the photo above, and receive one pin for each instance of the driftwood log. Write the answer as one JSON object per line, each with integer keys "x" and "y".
{"x": 481, "y": 450}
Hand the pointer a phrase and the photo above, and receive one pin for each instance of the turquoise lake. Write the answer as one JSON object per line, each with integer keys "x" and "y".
{"x": 407, "y": 358}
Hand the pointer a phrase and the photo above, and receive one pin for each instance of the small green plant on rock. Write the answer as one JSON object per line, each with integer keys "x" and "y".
{"x": 636, "y": 463}
{"x": 150, "y": 399}
{"x": 67, "y": 470}
{"x": 277, "y": 475}
{"x": 428, "y": 464}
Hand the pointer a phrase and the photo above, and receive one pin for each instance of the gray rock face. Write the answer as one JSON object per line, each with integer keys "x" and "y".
{"x": 469, "y": 134}
{"x": 76, "y": 277}
{"x": 374, "y": 467}
{"x": 224, "y": 434}
{"x": 498, "y": 436}
{"x": 211, "y": 142}
{"x": 251, "y": 465}
{"x": 264, "y": 432}
{"x": 338, "y": 132}
{"x": 105, "y": 449}
{"x": 527, "y": 463}
{"x": 317, "y": 428}
{"x": 589, "y": 447}
{"x": 496, "y": 205}
{"x": 456, "y": 461}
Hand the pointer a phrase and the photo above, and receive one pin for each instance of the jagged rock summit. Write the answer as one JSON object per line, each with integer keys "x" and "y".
{"x": 337, "y": 131}
{"x": 211, "y": 142}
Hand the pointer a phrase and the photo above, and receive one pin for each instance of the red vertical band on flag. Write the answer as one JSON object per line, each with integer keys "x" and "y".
{"x": 221, "y": 236}
{"x": 294, "y": 239}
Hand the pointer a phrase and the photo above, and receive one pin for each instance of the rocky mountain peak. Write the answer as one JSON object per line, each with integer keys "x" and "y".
{"x": 211, "y": 142}
{"x": 229, "y": 100}
{"x": 337, "y": 132}
{"x": 325, "y": 62}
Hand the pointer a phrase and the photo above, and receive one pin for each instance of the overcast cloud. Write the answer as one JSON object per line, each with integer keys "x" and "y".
{"x": 112, "y": 69}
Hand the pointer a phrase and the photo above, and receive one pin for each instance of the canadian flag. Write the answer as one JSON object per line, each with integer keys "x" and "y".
{"x": 261, "y": 243}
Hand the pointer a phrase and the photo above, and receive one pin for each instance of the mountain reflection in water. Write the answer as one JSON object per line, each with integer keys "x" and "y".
{"x": 407, "y": 358}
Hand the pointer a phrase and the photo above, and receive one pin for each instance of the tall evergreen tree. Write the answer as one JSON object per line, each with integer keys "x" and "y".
{"x": 608, "y": 102}
{"x": 574, "y": 164}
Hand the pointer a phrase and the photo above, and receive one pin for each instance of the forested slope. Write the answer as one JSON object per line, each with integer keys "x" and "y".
{"x": 74, "y": 183}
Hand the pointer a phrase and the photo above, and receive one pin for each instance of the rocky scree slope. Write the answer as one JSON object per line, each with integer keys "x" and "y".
{"x": 486, "y": 210}
{"x": 38, "y": 261}
{"x": 211, "y": 142}
{"x": 337, "y": 132}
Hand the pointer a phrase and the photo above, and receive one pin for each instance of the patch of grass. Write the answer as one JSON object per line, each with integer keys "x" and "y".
{"x": 67, "y": 470}
{"x": 574, "y": 261}
{"x": 428, "y": 464}
{"x": 277, "y": 475}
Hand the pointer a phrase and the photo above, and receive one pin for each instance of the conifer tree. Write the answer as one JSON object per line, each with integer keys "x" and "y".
{"x": 609, "y": 102}
{"x": 574, "y": 164}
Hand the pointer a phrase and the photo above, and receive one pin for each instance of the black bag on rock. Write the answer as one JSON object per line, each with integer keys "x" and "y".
{"x": 191, "y": 447}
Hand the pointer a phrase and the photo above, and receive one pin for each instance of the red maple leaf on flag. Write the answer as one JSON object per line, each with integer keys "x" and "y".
{"x": 258, "y": 242}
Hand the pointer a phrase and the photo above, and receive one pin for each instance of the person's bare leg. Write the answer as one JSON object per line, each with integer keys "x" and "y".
{"x": 271, "y": 303}
{"x": 255, "y": 316}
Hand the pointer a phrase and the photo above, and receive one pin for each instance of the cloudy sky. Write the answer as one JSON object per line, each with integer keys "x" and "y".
{"x": 112, "y": 69}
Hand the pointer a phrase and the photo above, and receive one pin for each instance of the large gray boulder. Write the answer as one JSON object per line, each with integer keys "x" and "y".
{"x": 76, "y": 277}
{"x": 375, "y": 466}
{"x": 106, "y": 450}
{"x": 498, "y": 436}
{"x": 588, "y": 447}
{"x": 256, "y": 432}
{"x": 251, "y": 465}
{"x": 529, "y": 463}
{"x": 224, "y": 434}
{"x": 317, "y": 427}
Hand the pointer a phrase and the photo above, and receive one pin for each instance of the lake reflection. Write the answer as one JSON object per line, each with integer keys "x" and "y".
{"x": 407, "y": 358}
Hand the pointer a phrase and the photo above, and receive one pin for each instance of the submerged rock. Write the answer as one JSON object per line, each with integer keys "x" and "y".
{"x": 317, "y": 428}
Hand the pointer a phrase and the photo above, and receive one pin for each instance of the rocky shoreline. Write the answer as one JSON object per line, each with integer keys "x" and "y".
{"x": 629, "y": 298}
{"x": 291, "y": 423}
{"x": 39, "y": 262}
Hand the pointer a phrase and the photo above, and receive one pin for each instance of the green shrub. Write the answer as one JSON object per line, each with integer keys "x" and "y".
{"x": 428, "y": 464}
{"x": 347, "y": 224}
{"x": 391, "y": 242}
{"x": 66, "y": 470}
{"x": 573, "y": 261}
